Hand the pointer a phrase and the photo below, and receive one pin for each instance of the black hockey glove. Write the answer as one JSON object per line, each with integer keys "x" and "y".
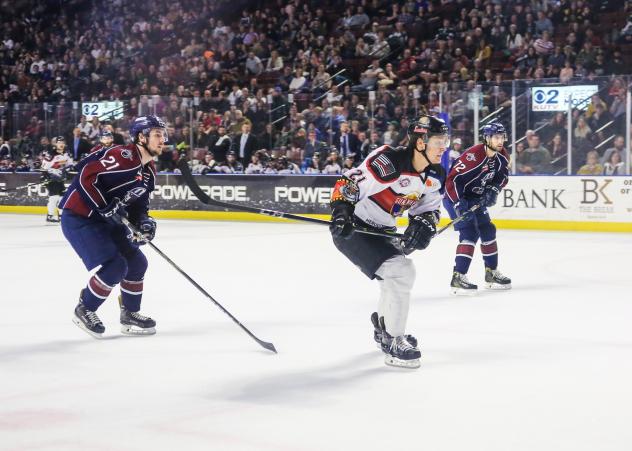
{"x": 147, "y": 227}
{"x": 462, "y": 209}
{"x": 342, "y": 219}
{"x": 490, "y": 195}
{"x": 114, "y": 212}
{"x": 420, "y": 230}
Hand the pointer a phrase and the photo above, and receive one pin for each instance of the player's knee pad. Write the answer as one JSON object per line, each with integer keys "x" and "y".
{"x": 487, "y": 232}
{"x": 469, "y": 235}
{"x": 136, "y": 265}
{"x": 113, "y": 270}
{"x": 400, "y": 271}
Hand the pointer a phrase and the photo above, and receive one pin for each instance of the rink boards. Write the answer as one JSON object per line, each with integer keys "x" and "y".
{"x": 582, "y": 203}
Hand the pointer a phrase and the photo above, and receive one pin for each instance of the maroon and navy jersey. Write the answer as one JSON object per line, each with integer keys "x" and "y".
{"x": 474, "y": 170}
{"x": 108, "y": 173}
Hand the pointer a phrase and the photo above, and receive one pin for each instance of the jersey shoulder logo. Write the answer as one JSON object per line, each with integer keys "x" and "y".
{"x": 404, "y": 182}
{"x": 383, "y": 166}
{"x": 470, "y": 157}
{"x": 126, "y": 153}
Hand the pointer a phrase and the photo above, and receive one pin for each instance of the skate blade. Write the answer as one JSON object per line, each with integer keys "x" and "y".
{"x": 81, "y": 326}
{"x": 137, "y": 331}
{"x": 399, "y": 363}
{"x": 462, "y": 292}
{"x": 497, "y": 286}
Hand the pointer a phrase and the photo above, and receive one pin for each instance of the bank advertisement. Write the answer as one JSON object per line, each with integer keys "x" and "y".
{"x": 533, "y": 198}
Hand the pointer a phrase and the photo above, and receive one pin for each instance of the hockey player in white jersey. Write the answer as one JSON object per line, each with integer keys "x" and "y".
{"x": 54, "y": 173}
{"x": 386, "y": 184}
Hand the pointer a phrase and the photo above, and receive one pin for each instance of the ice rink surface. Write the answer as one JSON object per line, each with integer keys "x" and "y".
{"x": 546, "y": 366}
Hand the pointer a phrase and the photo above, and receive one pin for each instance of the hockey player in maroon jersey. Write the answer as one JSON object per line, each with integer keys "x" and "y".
{"x": 106, "y": 139}
{"x": 114, "y": 183}
{"x": 386, "y": 184}
{"x": 476, "y": 178}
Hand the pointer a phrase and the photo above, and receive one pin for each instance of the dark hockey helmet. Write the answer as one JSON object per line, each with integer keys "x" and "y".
{"x": 145, "y": 124}
{"x": 492, "y": 129}
{"x": 425, "y": 127}
{"x": 56, "y": 141}
{"x": 106, "y": 134}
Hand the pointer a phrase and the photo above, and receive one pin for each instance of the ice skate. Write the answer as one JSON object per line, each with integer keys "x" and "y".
{"x": 133, "y": 323}
{"x": 399, "y": 352}
{"x": 88, "y": 321}
{"x": 495, "y": 280}
{"x": 377, "y": 332}
{"x": 460, "y": 286}
{"x": 53, "y": 219}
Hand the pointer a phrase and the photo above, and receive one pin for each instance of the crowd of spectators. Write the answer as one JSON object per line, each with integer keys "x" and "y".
{"x": 283, "y": 87}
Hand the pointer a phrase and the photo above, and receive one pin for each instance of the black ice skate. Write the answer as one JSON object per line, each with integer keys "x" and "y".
{"x": 51, "y": 218}
{"x": 133, "y": 323}
{"x": 495, "y": 280}
{"x": 399, "y": 352}
{"x": 88, "y": 321}
{"x": 377, "y": 332}
{"x": 460, "y": 286}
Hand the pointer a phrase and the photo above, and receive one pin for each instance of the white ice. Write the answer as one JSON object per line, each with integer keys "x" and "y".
{"x": 546, "y": 366}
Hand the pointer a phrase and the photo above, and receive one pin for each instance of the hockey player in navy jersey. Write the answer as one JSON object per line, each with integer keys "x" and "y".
{"x": 476, "y": 178}
{"x": 106, "y": 140}
{"x": 114, "y": 183}
{"x": 386, "y": 184}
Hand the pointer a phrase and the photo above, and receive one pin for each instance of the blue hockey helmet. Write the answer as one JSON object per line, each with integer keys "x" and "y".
{"x": 144, "y": 124}
{"x": 494, "y": 128}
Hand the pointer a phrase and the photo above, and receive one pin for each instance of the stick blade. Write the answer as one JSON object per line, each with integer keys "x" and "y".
{"x": 268, "y": 346}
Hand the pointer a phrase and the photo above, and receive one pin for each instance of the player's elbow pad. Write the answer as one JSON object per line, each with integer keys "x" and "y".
{"x": 345, "y": 190}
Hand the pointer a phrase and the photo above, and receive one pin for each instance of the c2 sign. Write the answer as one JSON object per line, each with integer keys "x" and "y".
{"x": 556, "y": 98}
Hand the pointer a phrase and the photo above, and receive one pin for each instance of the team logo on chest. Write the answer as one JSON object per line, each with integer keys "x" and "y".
{"x": 403, "y": 203}
{"x": 394, "y": 203}
{"x": 404, "y": 182}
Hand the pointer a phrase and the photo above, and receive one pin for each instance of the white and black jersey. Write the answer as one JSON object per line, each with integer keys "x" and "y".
{"x": 388, "y": 186}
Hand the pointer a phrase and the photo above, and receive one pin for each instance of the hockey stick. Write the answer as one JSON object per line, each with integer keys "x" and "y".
{"x": 206, "y": 199}
{"x": 28, "y": 185}
{"x": 139, "y": 236}
{"x": 23, "y": 186}
{"x": 457, "y": 220}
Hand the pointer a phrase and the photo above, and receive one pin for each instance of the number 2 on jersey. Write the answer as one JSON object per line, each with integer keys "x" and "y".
{"x": 459, "y": 166}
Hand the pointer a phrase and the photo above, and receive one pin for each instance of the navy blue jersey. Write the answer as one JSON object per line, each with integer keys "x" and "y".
{"x": 108, "y": 173}
{"x": 474, "y": 170}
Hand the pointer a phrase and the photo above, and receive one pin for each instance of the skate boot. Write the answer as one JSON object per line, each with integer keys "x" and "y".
{"x": 133, "y": 323}
{"x": 495, "y": 280}
{"x": 88, "y": 320}
{"x": 377, "y": 332}
{"x": 51, "y": 218}
{"x": 399, "y": 352}
{"x": 460, "y": 286}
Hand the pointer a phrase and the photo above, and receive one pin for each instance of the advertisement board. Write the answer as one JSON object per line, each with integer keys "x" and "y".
{"x": 542, "y": 202}
{"x": 556, "y": 98}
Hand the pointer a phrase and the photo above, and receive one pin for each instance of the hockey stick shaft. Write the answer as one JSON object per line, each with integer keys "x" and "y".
{"x": 24, "y": 186}
{"x": 206, "y": 199}
{"x": 457, "y": 220}
{"x": 135, "y": 231}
